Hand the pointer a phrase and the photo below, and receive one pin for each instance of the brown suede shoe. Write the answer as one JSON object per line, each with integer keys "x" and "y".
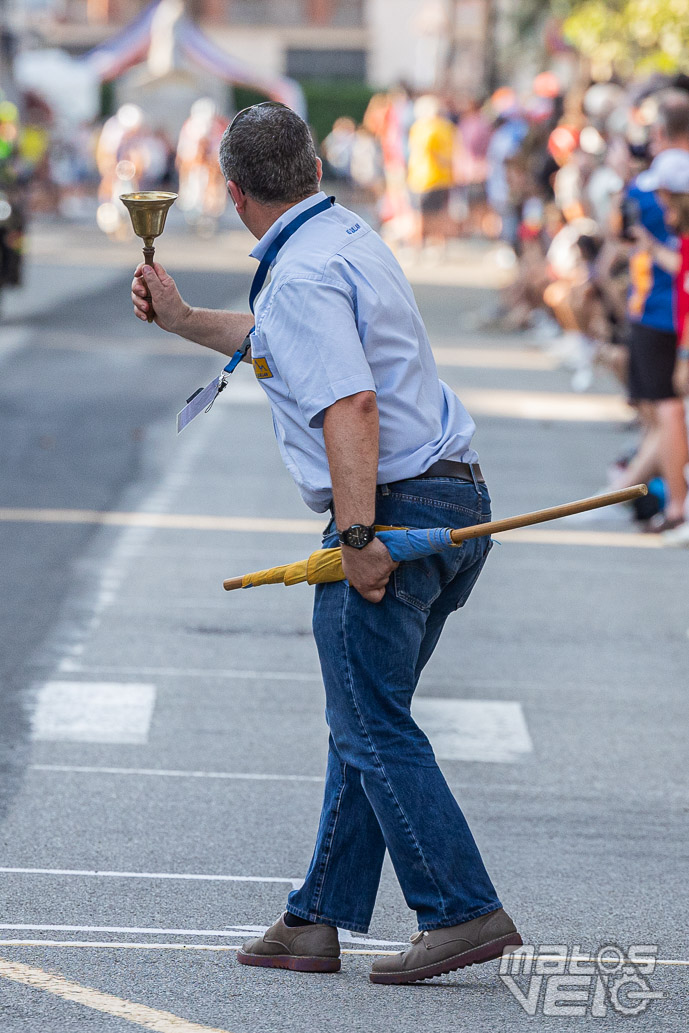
{"x": 443, "y": 950}
{"x": 302, "y": 948}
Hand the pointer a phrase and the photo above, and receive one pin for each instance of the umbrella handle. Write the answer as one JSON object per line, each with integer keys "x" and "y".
{"x": 539, "y": 516}
{"x": 611, "y": 498}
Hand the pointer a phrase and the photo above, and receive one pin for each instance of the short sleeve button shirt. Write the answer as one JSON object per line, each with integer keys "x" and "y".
{"x": 338, "y": 317}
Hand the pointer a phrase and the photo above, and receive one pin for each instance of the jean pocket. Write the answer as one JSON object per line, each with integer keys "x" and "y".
{"x": 419, "y": 583}
{"x": 465, "y": 584}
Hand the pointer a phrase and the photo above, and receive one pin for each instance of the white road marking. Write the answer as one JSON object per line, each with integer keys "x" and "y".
{"x": 125, "y": 945}
{"x": 129, "y": 929}
{"x": 75, "y": 667}
{"x": 130, "y": 1011}
{"x": 172, "y": 773}
{"x": 474, "y": 729}
{"x": 184, "y": 876}
{"x": 231, "y": 932}
{"x": 112, "y": 712}
{"x": 665, "y": 792}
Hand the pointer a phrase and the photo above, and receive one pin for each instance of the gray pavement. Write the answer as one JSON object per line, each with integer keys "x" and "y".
{"x": 137, "y": 846}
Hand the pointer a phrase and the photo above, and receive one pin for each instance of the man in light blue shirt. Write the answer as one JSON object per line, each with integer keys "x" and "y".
{"x": 366, "y": 428}
{"x": 339, "y": 317}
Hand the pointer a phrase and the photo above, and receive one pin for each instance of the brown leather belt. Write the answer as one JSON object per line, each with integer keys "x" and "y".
{"x": 449, "y": 468}
{"x": 443, "y": 468}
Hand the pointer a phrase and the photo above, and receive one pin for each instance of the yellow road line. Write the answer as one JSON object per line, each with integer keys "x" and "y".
{"x": 139, "y": 1014}
{"x": 495, "y": 358}
{"x": 268, "y": 525}
{"x": 542, "y": 405}
{"x": 466, "y": 357}
{"x": 616, "y": 539}
{"x": 173, "y": 521}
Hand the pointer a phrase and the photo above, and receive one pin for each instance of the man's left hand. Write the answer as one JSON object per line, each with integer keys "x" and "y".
{"x": 368, "y": 569}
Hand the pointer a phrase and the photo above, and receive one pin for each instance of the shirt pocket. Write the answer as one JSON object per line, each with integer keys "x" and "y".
{"x": 261, "y": 360}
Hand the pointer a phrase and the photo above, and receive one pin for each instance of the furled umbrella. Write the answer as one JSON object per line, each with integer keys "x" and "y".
{"x": 412, "y": 543}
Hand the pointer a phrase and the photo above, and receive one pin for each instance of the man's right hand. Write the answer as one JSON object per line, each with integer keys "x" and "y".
{"x": 170, "y": 308}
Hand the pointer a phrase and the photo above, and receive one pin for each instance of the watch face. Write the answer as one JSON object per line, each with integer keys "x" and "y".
{"x": 358, "y": 536}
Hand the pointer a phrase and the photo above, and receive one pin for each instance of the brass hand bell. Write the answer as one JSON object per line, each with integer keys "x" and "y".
{"x": 148, "y": 210}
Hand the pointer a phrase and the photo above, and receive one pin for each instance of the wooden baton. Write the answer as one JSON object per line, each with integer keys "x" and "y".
{"x": 540, "y": 516}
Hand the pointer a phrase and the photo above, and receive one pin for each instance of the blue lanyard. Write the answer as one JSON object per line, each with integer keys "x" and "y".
{"x": 266, "y": 262}
{"x": 280, "y": 240}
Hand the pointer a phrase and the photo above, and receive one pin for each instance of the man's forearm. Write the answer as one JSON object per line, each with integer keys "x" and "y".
{"x": 221, "y": 331}
{"x": 350, "y": 429}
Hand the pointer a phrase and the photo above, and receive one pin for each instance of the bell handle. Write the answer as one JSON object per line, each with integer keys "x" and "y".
{"x": 149, "y": 252}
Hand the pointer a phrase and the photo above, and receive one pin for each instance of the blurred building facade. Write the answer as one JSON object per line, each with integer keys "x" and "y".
{"x": 461, "y": 44}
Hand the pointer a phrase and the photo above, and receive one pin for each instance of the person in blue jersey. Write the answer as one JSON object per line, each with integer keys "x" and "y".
{"x": 652, "y": 337}
{"x": 369, "y": 432}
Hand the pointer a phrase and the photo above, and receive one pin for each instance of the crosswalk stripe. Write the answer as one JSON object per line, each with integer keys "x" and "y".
{"x": 474, "y": 729}
{"x": 109, "y": 712}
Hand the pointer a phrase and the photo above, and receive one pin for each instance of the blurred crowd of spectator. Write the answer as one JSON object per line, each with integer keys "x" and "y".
{"x": 596, "y": 211}
{"x": 131, "y": 155}
{"x": 589, "y": 192}
{"x": 62, "y": 169}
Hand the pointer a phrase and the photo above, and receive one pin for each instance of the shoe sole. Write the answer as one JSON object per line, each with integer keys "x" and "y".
{"x": 486, "y": 952}
{"x": 290, "y": 961}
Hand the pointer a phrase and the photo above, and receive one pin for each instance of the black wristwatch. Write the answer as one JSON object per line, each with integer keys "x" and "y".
{"x": 357, "y": 536}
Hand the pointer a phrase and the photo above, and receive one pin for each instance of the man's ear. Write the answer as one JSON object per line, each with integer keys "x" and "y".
{"x": 237, "y": 194}
{"x": 319, "y": 166}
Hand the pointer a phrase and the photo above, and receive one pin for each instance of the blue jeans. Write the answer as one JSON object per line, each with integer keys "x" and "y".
{"x": 383, "y": 787}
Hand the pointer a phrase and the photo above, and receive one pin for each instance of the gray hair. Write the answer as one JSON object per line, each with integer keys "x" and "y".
{"x": 269, "y": 153}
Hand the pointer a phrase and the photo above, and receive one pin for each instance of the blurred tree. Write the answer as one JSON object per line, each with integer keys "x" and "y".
{"x": 628, "y": 36}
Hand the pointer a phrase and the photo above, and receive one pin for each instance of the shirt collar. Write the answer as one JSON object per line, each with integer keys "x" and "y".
{"x": 286, "y": 217}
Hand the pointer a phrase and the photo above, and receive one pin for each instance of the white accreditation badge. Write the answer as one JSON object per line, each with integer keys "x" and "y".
{"x": 202, "y": 400}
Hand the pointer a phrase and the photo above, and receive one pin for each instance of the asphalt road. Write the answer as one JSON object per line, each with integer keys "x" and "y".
{"x": 162, "y": 743}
